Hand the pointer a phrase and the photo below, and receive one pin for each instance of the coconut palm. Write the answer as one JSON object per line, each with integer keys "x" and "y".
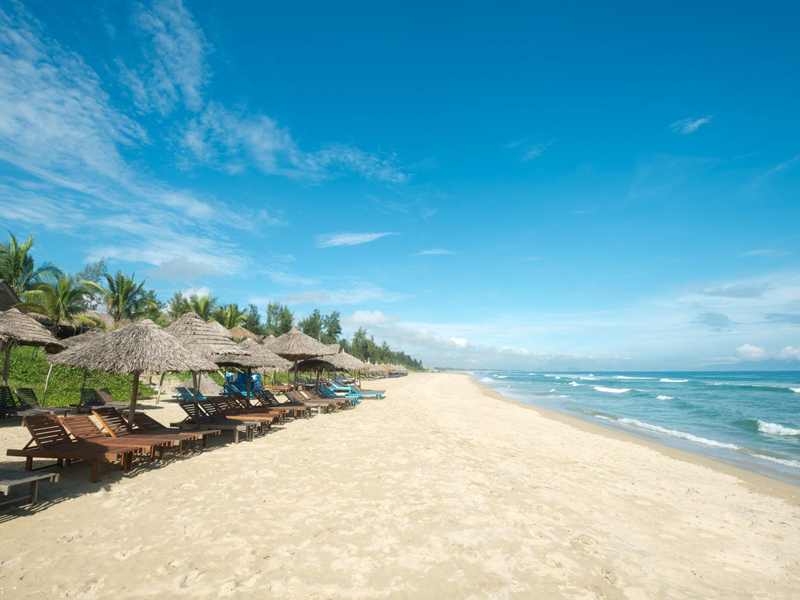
{"x": 203, "y": 305}
{"x": 17, "y": 266}
{"x": 230, "y": 316}
{"x": 61, "y": 299}
{"x": 124, "y": 298}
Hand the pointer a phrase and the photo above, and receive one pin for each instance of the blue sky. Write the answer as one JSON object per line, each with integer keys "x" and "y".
{"x": 502, "y": 185}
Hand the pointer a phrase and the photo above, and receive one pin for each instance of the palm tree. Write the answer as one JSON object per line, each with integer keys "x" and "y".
{"x": 230, "y": 316}
{"x": 61, "y": 299}
{"x": 17, "y": 267}
{"x": 124, "y": 298}
{"x": 203, "y": 305}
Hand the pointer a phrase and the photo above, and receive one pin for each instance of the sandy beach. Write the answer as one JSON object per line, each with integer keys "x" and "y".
{"x": 441, "y": 491}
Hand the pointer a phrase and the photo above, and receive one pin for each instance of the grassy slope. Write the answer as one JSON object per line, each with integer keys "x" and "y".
{"x": 29, "y": 369}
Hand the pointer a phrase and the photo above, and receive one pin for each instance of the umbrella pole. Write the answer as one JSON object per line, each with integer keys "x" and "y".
{"x": 196, "y": 392}
{"x": 160, "y": 387}
{"x": 83, "y": 383}
{"x": 46, "y": 384}
{"x": 295, "y": 374}
{"x": 6, "y": 362}
{"x": 134, "y": 396}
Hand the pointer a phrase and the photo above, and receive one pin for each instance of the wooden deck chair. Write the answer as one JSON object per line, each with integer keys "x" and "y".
{"x": 49, "y": 439}
{"x": 197, "y": 418}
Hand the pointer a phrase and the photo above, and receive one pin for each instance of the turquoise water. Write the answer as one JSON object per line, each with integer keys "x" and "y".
{"x": 749, "y": 419}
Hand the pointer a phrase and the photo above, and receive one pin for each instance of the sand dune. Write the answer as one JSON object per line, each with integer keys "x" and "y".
{"x": 440, "y": 491}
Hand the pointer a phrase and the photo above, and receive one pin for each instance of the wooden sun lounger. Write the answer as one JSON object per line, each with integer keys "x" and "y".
{"x": 197, "y": 418}
{"x": 243, "y": 404}
{"x": 26, "y": 398}
{"x": 11, "y": 479}
{"x": 212, "y": 406}
{"x": 53, "y": 441}
{"x": 148, "y": 424}
{"x": 84, "y": 429}
{"x": 266, "y": 399}
{"x": 111, "y": 419}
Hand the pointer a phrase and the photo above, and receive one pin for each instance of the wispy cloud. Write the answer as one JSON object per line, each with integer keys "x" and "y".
{"x": 329, "y": 240}
{"x": 357, "y": 294}
{"x": 433, "y": 251}
{"x": 734, "y": 290}
{"x": 770, "y": 252}
{"x": 714, "y": 321}
{"x": 787, "y": 164}
{"x": 175, "y": 51}
{"x": 535, "y": 151}
{"x": 690, "y": 125}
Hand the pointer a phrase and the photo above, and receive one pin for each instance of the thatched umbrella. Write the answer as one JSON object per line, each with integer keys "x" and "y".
{"x": 71, "y": 342}
{"x": 296, "y": 345}
{"x": 21, "y": 330}
{"x": 268, "y": 341}
{"x": 142, "y": 346}
{"x": 205, "y": 339}
{"x": 240, "y": 333}
{"x": 266, "y": 359}
{"x": 220, "y": 328}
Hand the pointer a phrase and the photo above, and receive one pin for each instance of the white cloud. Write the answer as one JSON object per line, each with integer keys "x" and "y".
{"x": 433, "y": 252}
{"x": 329, "y": 240}
{"x": 535, "y": 151}
{"x": 750, "y": 352}
{"x": 784, "y": 165}
{"x": 175, "y": 51}
{"x": 690, "y": 125}
{"x": 460, "y": 342}
{"x": 789, "y": 353}
{"x": 770, "y": 252}
{"x": 182, "y": 269}
{"x": 356, "y": 294}
{"x": 734, "y": 290}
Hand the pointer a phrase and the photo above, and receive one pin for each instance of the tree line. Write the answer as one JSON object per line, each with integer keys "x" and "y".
{"x": 59, "y": 298}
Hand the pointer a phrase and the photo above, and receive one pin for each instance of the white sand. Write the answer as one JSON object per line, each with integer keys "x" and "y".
{"x": 441, "y": 491}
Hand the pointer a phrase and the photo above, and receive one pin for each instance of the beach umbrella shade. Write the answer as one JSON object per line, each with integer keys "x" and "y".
{"x": 21, "y": 330}
{"x": 71, "y": 342}
{"x": 264, "y": 358}
{"x": 142, "y": 346}
{"x": 209, "y": 341}
{"x": 220, "y": 328}
{"x": 267, "y": 341}
{"x": 296, "y": 345}
{"x": 240, "y": 333}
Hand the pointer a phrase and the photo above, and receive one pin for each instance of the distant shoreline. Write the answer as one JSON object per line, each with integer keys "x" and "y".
{"x": 759, "y": 482}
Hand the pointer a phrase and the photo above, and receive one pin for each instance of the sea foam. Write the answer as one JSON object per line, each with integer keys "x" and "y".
{"x": 666, "y": 398}
{"x": 775, "y": 429}
{"x": 674, "y": 433}
{"x": 674, "y": 380}
{"x": 600, "y": 388}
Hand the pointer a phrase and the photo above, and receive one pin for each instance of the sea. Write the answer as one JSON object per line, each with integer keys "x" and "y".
{"x": 747, "y": 419}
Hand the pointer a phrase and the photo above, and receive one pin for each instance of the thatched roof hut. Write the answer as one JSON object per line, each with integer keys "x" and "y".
{"x": 269, "y": 360}
{"x": 296, "y": 345}
{"x": 8, "y": 297}
{"x": 240, "y": 333}
{"x": 346, "y": 361}
{"x": 313, "y": 364}
{"x": 203, "y": 338}
{"x": 268, "y": 341}
{"x": 16, "y": 328}
{"x": 82, "y": 338}
{"x": 140, "y": 347}
{"x": 220, "y": 328}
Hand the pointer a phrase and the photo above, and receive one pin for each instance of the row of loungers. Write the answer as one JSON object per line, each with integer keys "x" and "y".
{"x": 24, "y": 402}
{"x": 117, "y": 440}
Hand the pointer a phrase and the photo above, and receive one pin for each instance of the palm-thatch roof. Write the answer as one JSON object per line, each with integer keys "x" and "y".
{"x": 346, "y": 361}
{"x": 24, "y": 331}
{"x": 335, "y": 347}
{"x": 199, "y": 336}
{"x": 141, "y": 347}
{"x": 296, "y": 345}
{"x": 240, "y": 333}
{"x": 105, "y": 319}
{"x": 220, "y": 328}
{"x": 8, "y": 297}
{"x": 77, "y": 340}
{"x": 313, "y": 364}
{"x": 268, "y": 341}
{"x": 269, "y": 360}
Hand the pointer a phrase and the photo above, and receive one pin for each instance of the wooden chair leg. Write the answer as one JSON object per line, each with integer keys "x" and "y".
{"x": 95, "y": 470}
{"x": 34, "y": 491}
{"x": 28, "y": 463}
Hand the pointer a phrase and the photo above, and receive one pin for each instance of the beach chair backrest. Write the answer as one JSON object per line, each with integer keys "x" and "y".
{"x": 46, "y": 431}
{"x": 112, "y": 420}
{"x": 147, "y": 423}
{"x": 195, "y": 413}
{"x": 211, "y": 410}
{"x": 104, "y": 395}
{"x": 88, "y": 397}
{"x": 27, "y": 398}
{"x": 83, "y": 428}
{"x": 6, "y": 399}
{"x": 240, "y": 401}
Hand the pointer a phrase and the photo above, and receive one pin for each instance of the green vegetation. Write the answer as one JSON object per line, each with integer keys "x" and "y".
{"x": 17, "y": 266}
{"x": 62, "y": 299}
{"x": 28, "y": 368}
{"x": 363, "y": 347}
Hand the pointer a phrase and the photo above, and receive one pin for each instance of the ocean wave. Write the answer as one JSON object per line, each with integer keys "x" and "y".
{"x": 600, "y": 388}
{"x": 574, "y": 383}
{"x": 665, "y": 398}
{"x": 759, "y": 386}
{"x": 674, "y": 380}
{"x": 486, "y": 380}
{"x": 775, "y": 429}
{"x": 795, "y": 390}
{"x": 781, "y": 461}
{"x": 501, "y": 376}
{"x": 673, "y": 433}
{"x": 626, "y": 377}
{"x": 553, "y": 390}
